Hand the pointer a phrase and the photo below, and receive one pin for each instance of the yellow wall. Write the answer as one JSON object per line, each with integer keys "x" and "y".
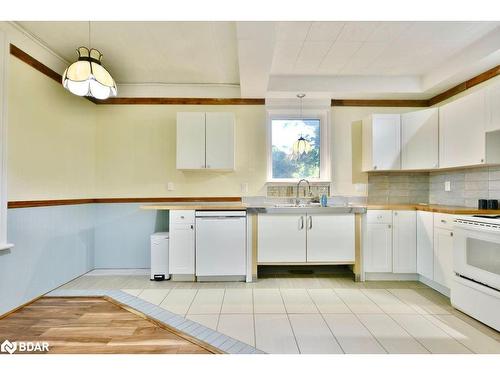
{"x": 61, "y": 146}
{"x": 51, "y": 138}
{"x": 136, "y": 153}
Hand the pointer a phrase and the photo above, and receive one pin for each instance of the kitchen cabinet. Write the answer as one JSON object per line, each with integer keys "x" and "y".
{"x": 420, "y": 139}
{"x": 205, "y": 140}
{"x": 404, "y": 242}
{"x": 219, "y": 140}
{"x": 443, "y": 256}
{"x": 182, "y": 242}
{"x": 330, "y": 238}
{"x": 378, "y": 245}
{"x": 381, "y": 142}
{"x": 190, "y": 140}
{"x": 281, "y": 238}
{"x": 306, "y": 238}
{"x": 462, "y": 131}
{"x": 425, "y": 244}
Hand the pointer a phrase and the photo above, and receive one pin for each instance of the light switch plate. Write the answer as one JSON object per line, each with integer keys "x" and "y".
{"x": 447, "y": 186}
{"x": 170, "y": 186}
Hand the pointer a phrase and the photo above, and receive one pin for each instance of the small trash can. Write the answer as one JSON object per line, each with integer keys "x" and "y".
{"x": 159, "y": 256}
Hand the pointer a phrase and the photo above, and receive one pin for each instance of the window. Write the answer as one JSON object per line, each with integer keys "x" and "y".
{"x": 285, "y": 165}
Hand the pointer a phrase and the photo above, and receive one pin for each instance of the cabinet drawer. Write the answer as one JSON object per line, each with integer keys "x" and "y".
{"x": 444, "y": 221}
{"x": 182, "y": 217}
{"x": 379, "y": 216}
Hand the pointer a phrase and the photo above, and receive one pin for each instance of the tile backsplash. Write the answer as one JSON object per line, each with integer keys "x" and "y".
{"x": 398, "y": 188}
{"x": 283, "y": 191}
{"x": 467, "y": 186}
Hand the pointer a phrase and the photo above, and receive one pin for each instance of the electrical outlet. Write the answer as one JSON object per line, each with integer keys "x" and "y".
{"x": 447, "y": 186}
{"x": 170, "y": 186}
{"x": 244, "y": 187}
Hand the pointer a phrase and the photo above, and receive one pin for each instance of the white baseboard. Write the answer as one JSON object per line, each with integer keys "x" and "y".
{"x": 118, "y": 271}
{"x": 389, "y": 276}
{"x": 438, "y": 287}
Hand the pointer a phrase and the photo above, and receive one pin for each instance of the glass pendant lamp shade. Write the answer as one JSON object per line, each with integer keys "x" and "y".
{"x": 301, "y": 146}
{"x": 87, "y": 76}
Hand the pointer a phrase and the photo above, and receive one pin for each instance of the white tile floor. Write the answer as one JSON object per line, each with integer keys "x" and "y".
{"x": 316, "y": 314}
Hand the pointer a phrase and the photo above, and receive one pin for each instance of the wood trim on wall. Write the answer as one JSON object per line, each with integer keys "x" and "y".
{"x": 67, "y": 202}
{"x": 379, "y": 103}
{"x": 34, "y": 63}
{"x": 183, "y": 101}
{"x": 483, "y": 77}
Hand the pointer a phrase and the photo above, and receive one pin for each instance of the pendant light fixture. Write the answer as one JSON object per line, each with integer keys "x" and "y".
{"x": 301, "y": 146}
{"x": 87, "y": 76}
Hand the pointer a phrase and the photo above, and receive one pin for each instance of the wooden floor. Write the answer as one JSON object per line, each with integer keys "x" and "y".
{"x": 91, "y": 326}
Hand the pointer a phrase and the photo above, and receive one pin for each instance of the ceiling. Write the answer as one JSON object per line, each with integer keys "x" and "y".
{"x": 278, "y": 59}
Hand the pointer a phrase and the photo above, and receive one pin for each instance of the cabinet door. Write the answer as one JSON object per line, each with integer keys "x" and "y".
{"x": 492, "y": 107}
{"x": 425, "y": 244}
{"x": 181, "y": 249}
{"x": 420, "y": 139}
{"x": 443, "y": 256}
{"x": 191, "y": 140}
{"x": 386, "y": 141}
{"x": 461, "y": 131}
{"x": 220, "y": 140}
{"x": 281, "y": 238}
{"x": 378, "y": 248}
{"x": 330, "y": 238}
{"x": 404, "y": 237}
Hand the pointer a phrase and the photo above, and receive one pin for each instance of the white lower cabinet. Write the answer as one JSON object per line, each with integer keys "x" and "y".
{"x": 281, "y": 238}
{"x": 378, "y": 248}
{"x": 443, "y": 256}
{"x": 425, "y": 244}
{"x": 302, "y": 238}
{"x": 182, "y": 242}
{"x": 404, "y": 242}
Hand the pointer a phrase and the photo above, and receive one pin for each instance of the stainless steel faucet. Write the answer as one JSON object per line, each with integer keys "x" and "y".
{"x": 297, "y": 201}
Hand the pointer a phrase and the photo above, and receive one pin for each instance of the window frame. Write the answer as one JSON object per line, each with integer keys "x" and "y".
{"x": 325, "y": 156}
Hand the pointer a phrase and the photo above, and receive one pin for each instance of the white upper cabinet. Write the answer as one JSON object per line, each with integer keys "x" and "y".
{"x": 493, "y": 107}
{"x": 419, "y": 139}
{"x": 220, "y": 140}
{"x": 404, "y": 240}
{"x": 205, "y": 140}
{"x": 462, "y": 131}
{"x": 190, "y": 140}
{"x": 382, "y": 142}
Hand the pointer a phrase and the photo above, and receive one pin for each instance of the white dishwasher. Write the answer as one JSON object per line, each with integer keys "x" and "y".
{"x": 220, "y": 245}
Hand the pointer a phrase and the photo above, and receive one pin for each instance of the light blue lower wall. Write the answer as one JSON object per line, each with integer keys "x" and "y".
{"x": 122, "y": 233}
{"x": 52, "y": 245}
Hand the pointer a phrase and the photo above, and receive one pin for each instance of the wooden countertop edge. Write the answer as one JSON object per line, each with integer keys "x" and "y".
{"x": 193, "y": 207}
{"x": 434, "y": 208}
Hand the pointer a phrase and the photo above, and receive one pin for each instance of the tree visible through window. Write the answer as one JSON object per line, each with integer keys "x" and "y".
{"x": 284, "y": 132}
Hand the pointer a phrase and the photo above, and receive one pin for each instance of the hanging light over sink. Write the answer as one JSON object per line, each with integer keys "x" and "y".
{"x": 301, "y": 146}
{"x": 87, "y": 76}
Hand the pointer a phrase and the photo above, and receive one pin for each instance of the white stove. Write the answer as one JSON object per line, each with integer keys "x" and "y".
{"x": 476, "y": 263}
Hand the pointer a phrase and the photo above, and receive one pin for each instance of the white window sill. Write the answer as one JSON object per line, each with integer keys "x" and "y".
{"x": 6, "y": 246}
{"x": 294, "y": 182}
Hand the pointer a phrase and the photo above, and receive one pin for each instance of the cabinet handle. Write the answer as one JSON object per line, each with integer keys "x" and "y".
{"x": 301, "y": 223}
{"x": 374, "y": 167}
{"x": 389, "y": 226}
{"x": 443, "y": 221}
{"x": 310, "y": 222}
{"x": 192, "y": 227}
{"x": 482, "y": 160}
{"x": 395, "y": 214}
{"x": 451, "y": 234}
